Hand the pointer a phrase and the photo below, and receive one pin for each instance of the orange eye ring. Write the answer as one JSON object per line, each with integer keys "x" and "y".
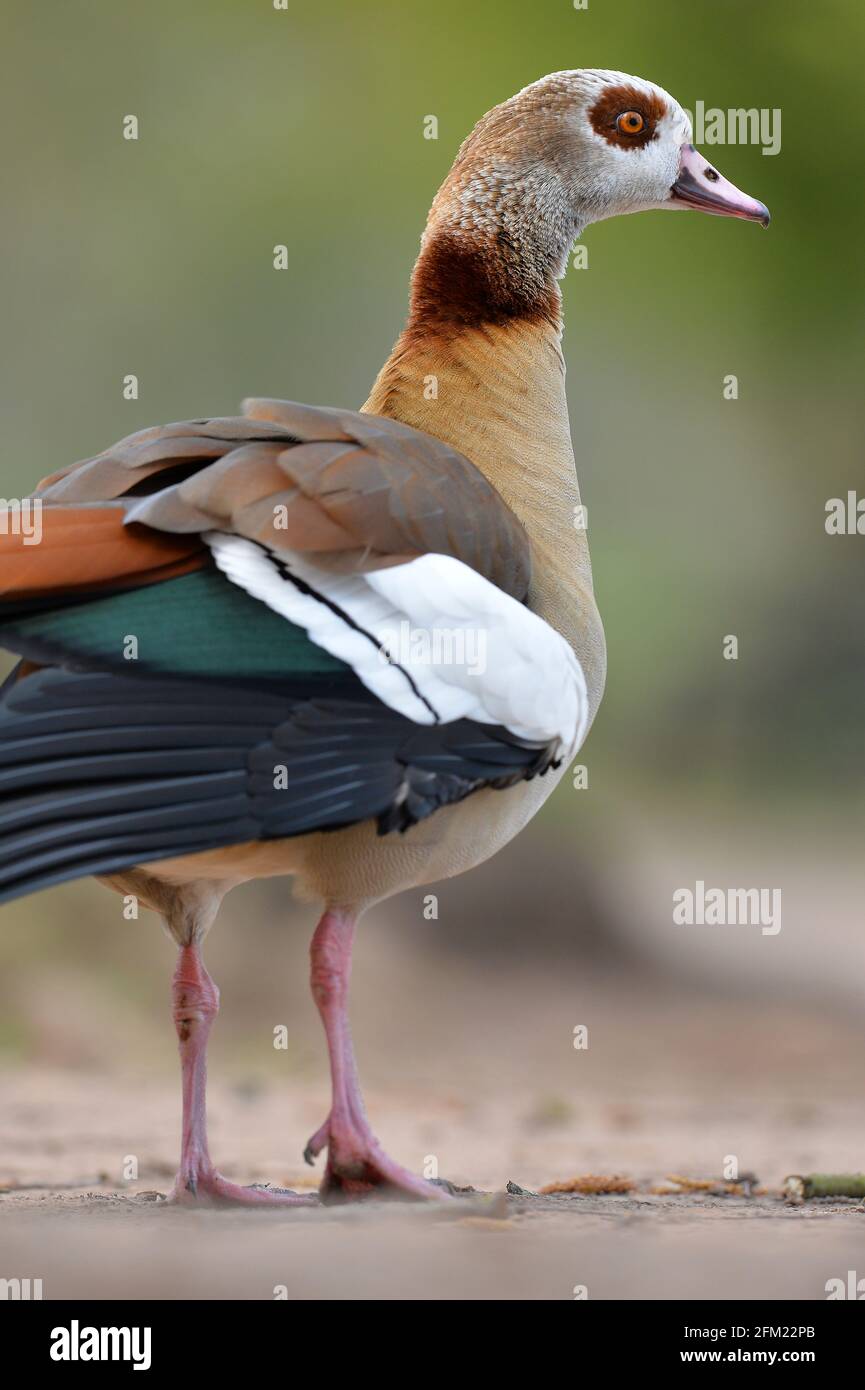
{"x": 630, "y": 123}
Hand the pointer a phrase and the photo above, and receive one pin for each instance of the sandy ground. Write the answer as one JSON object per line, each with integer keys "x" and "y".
{"x": 93, "y": 1246}
{"x": 680, "y": 1084}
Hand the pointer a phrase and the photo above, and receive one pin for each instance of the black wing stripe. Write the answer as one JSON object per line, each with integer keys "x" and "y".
{"x": 116, "y": 797}
{"x": 107, "y": 765}
{"x": 165, "y": 819}
{"x": 103, "y": 771}
{"x": 81, "y": 741}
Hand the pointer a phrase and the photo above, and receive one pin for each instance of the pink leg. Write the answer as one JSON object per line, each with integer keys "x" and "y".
{"x": 356, "y": 1163}
{"x": 196, "y": 1003}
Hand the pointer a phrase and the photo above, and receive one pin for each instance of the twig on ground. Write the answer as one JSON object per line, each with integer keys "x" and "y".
{"x": 799, "y": 1188}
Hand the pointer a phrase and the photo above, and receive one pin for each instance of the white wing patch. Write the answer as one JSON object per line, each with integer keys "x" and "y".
{"x": 431, "y": 638}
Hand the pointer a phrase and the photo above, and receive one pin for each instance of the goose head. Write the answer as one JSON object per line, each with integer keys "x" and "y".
{"x": 572, "y": 149}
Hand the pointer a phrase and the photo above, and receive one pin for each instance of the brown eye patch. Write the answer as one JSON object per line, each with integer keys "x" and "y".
{"x": 627, "y": 117}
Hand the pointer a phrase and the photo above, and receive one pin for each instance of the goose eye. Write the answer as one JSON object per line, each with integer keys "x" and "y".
{"x": 630, "y": 123}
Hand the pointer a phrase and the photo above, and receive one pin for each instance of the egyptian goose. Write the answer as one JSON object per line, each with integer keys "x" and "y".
{"x": 356, "y": 648}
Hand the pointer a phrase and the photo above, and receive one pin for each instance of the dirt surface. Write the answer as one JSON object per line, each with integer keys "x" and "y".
{"x": 107, "y": 1246}
{"x": 99, "y": 1238}
{"x": 468, "y": 1063}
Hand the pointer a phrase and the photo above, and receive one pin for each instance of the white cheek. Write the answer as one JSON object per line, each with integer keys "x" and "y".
{"x": 640, "y": 178}
{"x": 662, "y": 167}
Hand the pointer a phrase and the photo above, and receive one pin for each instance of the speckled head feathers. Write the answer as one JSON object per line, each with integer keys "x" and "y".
{"x": 562, "y": 131}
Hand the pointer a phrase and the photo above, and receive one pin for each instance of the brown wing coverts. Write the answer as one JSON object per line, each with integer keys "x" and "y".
{"x": 345, "y": 488}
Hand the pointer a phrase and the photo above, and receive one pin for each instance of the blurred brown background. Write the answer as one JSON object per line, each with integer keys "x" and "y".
{"x": 706, "y": 517}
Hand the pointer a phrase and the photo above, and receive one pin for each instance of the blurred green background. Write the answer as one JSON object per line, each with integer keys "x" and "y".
{"x": 706, "y": 516}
